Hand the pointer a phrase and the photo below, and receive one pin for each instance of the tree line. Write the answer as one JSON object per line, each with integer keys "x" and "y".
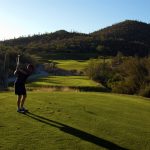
{"x": 126, "y": 75}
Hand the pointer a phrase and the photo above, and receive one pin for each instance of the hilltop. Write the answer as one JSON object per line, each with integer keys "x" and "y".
{"x": 127, "y": 30}
{"x": 129, "y": 37}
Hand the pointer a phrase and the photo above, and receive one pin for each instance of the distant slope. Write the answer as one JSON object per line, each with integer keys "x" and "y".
{"x": 127, "y": 30}
{"x": 129, "y": 37}
{"x": 43, "y": 38}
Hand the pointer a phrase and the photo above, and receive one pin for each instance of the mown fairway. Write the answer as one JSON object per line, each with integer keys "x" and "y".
{"x": 72, "y": 64}
{"x": 75, "y": 121}
{"x": 69, "y": 81}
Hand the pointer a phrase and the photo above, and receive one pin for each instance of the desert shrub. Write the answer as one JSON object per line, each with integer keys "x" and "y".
{"x": 134, "y": 74}
{"x": 123, "y": 87}
{"x": 99, "y": 71}
{"x": 145, "y": 91}
{"x": 130, "y": 76}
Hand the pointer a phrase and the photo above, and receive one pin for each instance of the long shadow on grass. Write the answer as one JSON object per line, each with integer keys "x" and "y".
{"x": 76, "y": 132}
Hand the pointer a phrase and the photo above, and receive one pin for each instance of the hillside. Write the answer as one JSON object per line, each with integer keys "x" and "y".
{"x": 129, "y": 37}
{"x": 127, "y": 30}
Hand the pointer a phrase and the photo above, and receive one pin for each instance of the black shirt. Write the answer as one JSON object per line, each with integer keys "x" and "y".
{"x": 21, "y": 77}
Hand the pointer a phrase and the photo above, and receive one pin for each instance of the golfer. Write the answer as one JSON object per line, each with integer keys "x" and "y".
{"x": 20, "y": 89}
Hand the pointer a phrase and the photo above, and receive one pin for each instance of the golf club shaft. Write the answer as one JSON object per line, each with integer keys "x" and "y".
{"x": 18, "y": 61}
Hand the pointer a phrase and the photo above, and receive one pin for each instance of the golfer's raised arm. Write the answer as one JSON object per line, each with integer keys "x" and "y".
{"x": 15, "y": 72}
{"x": 17, "y": 69}
{"x": 22, "y": 71}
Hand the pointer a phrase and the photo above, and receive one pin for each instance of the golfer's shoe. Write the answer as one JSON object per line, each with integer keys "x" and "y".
{"x": 24, "y": 109}
{"x": 20, "y": 111}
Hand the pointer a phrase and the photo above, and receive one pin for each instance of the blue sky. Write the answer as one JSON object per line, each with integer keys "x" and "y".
{"x": 28, "y": 17}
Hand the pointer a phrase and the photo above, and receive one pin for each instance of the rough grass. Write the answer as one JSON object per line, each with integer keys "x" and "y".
{"x": 75, "y": 121}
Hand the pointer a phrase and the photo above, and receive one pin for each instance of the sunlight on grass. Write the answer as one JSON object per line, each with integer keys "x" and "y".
{"x": 75, "y": 121}
{"x": 74, "y": 64}
{"x": 64, "y": 81}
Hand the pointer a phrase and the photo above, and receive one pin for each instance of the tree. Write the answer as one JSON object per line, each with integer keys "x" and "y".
{"x": 4, "y": 71}
{"x": 99, "y": 71}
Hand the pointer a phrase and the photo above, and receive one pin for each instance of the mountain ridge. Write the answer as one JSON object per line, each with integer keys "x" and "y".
{"x": 129, "y": 37}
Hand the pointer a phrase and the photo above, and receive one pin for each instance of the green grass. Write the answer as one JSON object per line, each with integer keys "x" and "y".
{"x": 75, "y": 121}
{"x": 69, "y": 81}
{"x": 72, "y": 64}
